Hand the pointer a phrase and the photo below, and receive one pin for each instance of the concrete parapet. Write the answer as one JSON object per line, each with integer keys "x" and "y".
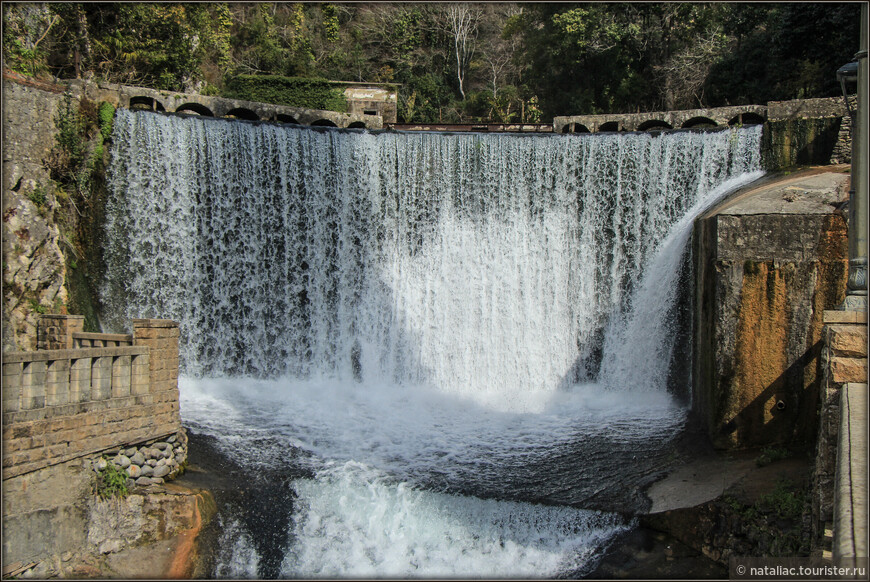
{"x": 101, "y": 340}
{"x": 850, "y": 496}
{"x": 844, "y": 363}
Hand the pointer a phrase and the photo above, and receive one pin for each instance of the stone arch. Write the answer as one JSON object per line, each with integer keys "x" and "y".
{"x": 357, "y": 125}
{"x": 575, "y": 127}
{"x": 283, "y": 118}
{"x": 699, "y": 122}
{"x": 194, "y": 109}
{"x": 242, "y": 113}
{"x": 748, "y": 118}
{"x": 323, "y": 123}
{"x": 654, "y": 125}
{"x": 144, "y": 102}
{"x": 608, "y": 126}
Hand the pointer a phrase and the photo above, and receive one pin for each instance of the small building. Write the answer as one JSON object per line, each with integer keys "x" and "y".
{"x": 371, "y": 99}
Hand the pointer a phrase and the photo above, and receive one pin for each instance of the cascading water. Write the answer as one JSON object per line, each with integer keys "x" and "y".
{"x": 452, "y": 343}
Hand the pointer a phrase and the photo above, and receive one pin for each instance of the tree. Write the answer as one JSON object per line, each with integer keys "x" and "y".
{"x": 461, "y": 23}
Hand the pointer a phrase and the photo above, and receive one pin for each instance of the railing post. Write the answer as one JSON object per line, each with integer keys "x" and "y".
{"x": 54, "y": 332}
{"x": 161, "y": 336}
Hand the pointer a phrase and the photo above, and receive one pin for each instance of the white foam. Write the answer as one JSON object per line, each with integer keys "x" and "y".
{"x": 352, "y": 522}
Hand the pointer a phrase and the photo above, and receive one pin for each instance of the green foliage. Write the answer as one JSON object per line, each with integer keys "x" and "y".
{"x": 779, "y": 53}
{"x": 112, "y": 481}
{"x": 293, "y": 91}
{"x": 330, "y": 22}
{"x": 24, "y": 60}
{"x": 106, "y": 113}
{"x": 38, "y": 196}
{"x": 770, "y": 454}
{"x": 24, "y": 29}
{"x": 787, "y": 501}
{"x": 67, "y": 158}
{"x": 36, "y": 306}
{"x": 571, "y": 58}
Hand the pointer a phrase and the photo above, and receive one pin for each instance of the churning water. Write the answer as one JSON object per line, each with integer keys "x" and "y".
{"x": 450, "y": 346}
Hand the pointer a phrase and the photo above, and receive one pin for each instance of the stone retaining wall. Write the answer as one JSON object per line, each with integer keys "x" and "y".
{"x": 150, "y": 463}
{"x": 69, "y": 411}
{"x": 62, "y": 404}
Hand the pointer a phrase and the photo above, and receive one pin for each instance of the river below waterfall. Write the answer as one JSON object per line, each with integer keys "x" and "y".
{"x": 421, "y": 355}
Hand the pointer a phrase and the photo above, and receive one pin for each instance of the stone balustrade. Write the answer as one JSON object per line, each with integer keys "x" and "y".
{"x": 85, "y": 393}
{"x": 34, "y": 380}
{"x": 101, "y": 340}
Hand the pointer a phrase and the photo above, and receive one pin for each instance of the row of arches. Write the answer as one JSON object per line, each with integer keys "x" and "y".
{"x": 748, "y": 118}
{"x": 151, "y": 104}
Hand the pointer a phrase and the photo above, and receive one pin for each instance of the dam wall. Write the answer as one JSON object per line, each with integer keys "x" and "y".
{"x": 768, "y": 263}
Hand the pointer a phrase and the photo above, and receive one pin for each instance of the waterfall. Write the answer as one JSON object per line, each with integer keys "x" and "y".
{"x": 467, "y": 262}
{"x": 446, "y": 352}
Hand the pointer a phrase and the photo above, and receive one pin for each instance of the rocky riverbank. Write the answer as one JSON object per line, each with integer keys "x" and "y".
{"x": 713, "y": 508}
{"x": 150, "y": 533}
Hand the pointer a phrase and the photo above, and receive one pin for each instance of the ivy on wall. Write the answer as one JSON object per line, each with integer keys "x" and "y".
{"x": 293, "y": 91}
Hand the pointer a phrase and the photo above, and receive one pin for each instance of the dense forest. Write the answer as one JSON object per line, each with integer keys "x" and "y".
{"x": 455, "y": 62}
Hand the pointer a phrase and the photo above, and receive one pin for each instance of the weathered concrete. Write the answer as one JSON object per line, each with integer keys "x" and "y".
{"x": 63, "y": 404}
{"x": 687, "y": 118}
{"x": 372, "y": 99}
{"x": 768, "y": 262}
{"x": 64, "y": 407}
{"x": 850, "y": 505}
{"x": 718, "y": 506}
{"x": 45, "y": 512}
{"x": 54, "y": 525}
{"x": 843, "y": 360}
{"x": 698, "y": 482}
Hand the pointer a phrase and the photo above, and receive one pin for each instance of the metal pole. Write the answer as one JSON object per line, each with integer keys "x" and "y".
{"x": 856, "y": 294}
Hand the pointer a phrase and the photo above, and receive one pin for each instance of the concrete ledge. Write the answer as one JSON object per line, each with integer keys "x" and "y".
{"x": 162, "y": 323}
{"x": 76, "y": 354}
{"x": 835, "y": 316}
{"x": 850, "y": 502}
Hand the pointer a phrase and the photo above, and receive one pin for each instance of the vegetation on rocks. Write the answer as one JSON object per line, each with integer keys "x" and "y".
{"x": 112, "y": 481}
{"x": 453, "y": 62}
{"x": 77, "y": 165}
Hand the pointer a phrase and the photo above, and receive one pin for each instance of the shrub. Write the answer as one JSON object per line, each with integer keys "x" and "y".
{"x": 293, "y": 91}
{"x": 112, "y": 481}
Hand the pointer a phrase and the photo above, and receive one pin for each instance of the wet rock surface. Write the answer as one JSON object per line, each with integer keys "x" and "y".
{"x": 256, "y": 500}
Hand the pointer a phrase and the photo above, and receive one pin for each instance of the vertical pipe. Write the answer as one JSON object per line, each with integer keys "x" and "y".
{"x": 857, "y": 287}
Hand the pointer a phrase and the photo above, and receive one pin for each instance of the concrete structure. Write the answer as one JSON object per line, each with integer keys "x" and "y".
{"x": 380, "y": 99}
{"x": 768, "y": 262}
{"x": 844, "y": 364}
{"x": 847, "y": 344}
{"x": 192, "y": 104}
{"x": 474, "y": 127}
{"x": 850, "y": 501}
{"x": 700, "y": 118}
